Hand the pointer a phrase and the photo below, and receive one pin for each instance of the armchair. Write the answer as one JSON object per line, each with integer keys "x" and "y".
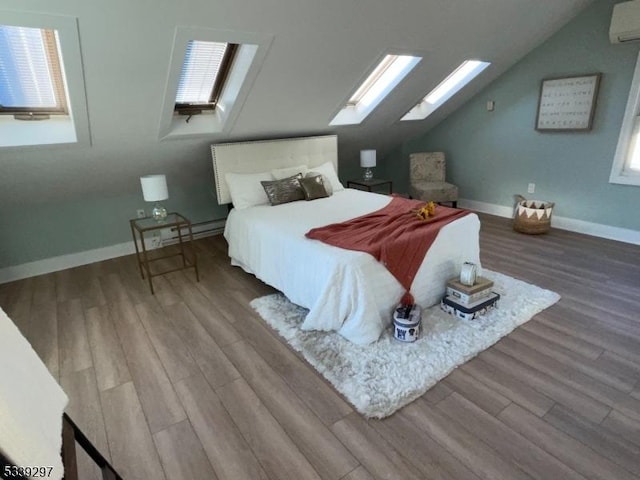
{"x": 427, "y": 178}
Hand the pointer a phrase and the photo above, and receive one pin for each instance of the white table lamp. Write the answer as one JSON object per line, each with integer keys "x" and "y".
{"x": 368, "y": 161}
{"x": 154, "y": 189}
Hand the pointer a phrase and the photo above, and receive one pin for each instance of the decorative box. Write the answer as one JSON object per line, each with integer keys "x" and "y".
{"x": 406, "y": 322}
{"x": 467, "y": 295}
{"x": 452, "y": 306}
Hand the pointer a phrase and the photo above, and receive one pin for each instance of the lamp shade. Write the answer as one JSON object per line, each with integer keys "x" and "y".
{"x": 154, "y": 188}
{"x": 367, "y": 158}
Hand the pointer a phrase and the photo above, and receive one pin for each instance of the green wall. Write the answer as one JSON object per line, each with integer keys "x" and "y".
{"x": 43, "y": 231}
{"x": 493, "y": 155}
{"x": 36, "y": 232}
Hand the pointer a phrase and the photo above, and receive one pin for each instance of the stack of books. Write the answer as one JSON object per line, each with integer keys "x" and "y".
{"x": 469, "y": 302}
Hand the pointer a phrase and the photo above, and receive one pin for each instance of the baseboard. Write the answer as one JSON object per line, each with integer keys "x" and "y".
{"x": 625, "y": 235}
{"x": 62, "y": 262}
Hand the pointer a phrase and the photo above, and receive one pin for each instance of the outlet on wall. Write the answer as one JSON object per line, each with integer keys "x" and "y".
{"x": 140, "y": 213}
{"x": 531, "y": 188}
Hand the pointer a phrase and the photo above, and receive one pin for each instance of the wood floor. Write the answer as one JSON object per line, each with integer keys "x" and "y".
{"x": 191, "y": 384}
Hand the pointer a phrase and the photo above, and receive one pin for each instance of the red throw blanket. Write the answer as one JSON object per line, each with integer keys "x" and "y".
{"x": 394, "y": 235}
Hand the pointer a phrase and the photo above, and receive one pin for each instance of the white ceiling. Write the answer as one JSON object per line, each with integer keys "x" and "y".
{"x": 320, "y": 52}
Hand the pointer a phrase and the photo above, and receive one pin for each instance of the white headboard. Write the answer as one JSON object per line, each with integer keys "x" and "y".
{"x": 265, "y": 155}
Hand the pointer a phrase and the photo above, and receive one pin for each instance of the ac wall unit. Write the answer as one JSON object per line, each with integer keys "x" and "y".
{"x": 625, "y": 22}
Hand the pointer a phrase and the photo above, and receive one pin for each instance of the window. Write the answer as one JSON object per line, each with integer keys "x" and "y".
{"x": 204, "y": 72}
{"x": 31, "y": 80}
{"x": 384, "y": 78}
{"x": 626, "y": 162}
{"x": 377, "y": 80}
{"x": 41, "y": 77}
{"x": 211, "y": 72}
{"x": 633, "y": 164}
{"x": 451, "y": 85}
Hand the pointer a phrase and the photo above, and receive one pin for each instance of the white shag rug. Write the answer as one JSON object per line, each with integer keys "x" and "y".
{"x": 384, "y": 376}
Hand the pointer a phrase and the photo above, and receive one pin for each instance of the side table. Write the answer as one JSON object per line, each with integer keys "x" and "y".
{"x": 369, "y": 185}
{"x": 140, "y": 226}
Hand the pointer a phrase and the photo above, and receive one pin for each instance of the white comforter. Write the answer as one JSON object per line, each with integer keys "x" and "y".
{"x": 346, "y": 291}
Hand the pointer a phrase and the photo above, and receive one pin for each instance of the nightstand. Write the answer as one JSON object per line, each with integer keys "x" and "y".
{"x": 140, "y": 226}
{"x": 369, "y": 185}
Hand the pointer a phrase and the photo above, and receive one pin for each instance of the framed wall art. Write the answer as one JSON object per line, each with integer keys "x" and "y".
{"x": 567, "y": 103}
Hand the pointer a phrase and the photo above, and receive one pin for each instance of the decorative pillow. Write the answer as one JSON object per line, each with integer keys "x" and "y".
{"x": 280, "y": 173}
{"x": 313, "y": 187}
{"x": 245, "y": 189}
{"x": 329, "y": 171}
{"x": 284, "y": 191}
{"x": 325, "y": 181}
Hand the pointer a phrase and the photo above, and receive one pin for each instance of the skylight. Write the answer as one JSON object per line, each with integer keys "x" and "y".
{"x": 41, "y": 78}
{"x": 451, "y": 85}
{"x": 30, "y": 74}
{"x": 384, "y": 78}
{"x": 211, "y": 72}
{"x": 205, "y": 67}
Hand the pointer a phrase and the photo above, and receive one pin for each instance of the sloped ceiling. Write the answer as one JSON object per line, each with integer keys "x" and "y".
{"x": 320, "y": 51}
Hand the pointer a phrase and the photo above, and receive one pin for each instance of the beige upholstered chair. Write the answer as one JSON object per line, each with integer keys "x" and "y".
{"x": 427, "y": 177}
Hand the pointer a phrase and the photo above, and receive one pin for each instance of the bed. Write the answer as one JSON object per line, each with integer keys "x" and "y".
{"x": 345, "y": 291}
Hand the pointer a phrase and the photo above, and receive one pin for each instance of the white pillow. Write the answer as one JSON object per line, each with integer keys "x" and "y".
{"x": 246, "y": 190}
{"x": 329, "y": 172}
{"x": 280, "y": 173}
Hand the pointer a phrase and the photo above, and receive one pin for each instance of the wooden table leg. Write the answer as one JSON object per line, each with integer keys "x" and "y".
{"x": 193, "y": 251}
{"x": 146, "y": 262}
{"x": 69, "y": 459}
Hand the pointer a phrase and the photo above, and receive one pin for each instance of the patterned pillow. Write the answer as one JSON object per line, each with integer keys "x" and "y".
{"x": 313, "y": 187}
{"x": 285, "y": 190}
{"x": 328, "y": 170}
{"x": 325, "y": 181}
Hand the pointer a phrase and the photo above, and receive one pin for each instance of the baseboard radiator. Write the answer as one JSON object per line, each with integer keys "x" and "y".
{"x": 200, "y": 230}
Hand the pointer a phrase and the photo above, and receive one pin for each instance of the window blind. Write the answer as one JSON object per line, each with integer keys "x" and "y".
{"x": 202, "y": 66}
{"x": 30, "y": 72}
